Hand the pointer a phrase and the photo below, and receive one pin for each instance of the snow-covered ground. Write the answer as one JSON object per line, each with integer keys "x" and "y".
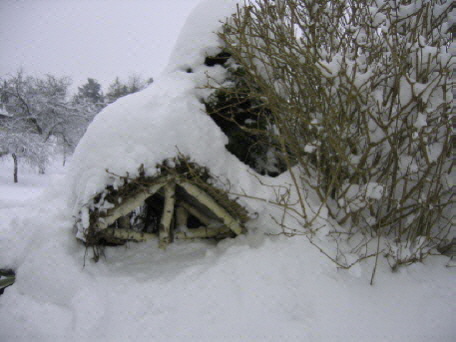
{"x": 30, "y": 183}
{"x": 256, "y": 287}
{"x": 252, "y": 288}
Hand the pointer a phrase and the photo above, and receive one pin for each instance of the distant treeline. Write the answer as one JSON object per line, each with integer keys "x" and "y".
{"x": 38, "y": 116}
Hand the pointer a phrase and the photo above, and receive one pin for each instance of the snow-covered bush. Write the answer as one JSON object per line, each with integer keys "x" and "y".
{"x": 360, "y": 97}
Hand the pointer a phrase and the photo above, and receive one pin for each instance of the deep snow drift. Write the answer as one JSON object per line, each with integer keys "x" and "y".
{"x": 253, "y": 288}
{"x": 162, "y": 122}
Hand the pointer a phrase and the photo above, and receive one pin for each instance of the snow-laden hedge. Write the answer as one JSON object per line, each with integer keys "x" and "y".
{"x": 360, "y": 96}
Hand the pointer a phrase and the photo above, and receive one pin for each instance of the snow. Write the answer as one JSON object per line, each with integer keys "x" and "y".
{"x": 256, "y": 287}
{"x": 310, "y": 148}
{"x": 374, "y": 190}
{"x": 162, "y": 122}
{"x": 30, "y": 185}
{"x": 330, "y": 69}
{"x": 421, "y": 121}
{"x": 434, "y": 151}
{"x": 358, "y": 196}
{"x": 197, "y": 39}
{"x": 405, "y": 92}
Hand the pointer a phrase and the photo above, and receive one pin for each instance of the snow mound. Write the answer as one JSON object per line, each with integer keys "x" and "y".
{"x": 164, "y": 121}
{"x": 198, "y": 39}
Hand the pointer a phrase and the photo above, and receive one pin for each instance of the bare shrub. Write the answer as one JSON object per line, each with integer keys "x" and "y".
{"x": 359, "y": 94}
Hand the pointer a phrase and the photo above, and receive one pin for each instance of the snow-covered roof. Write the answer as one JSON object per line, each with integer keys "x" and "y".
{"x": 163, "y": 121}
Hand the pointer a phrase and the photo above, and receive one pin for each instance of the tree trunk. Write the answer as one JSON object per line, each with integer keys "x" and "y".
{"x": 64, "y": 154}
{"x": 15, "y": 167}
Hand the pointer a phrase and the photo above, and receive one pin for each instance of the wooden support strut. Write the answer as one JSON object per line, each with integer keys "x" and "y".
{"x": 168, "y": 211}
{"x": 195, "y": 212}
{"x": 130, "y": 204}
{"x": 210, "y": 203}
{"x": 128, "y": 234}
{"x": 204, "y": 233}
{"x": 182, "y": 211}
{"x": 198, "y": 233}
{"x": 181, "y": 215}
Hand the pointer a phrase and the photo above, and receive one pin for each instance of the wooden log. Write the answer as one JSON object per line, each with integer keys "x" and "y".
{"x": 195, "y": 212}
{"x": 212, "y": 205}
{"x": 181, "y": 216}
{"x": 168, "y": 211}
{"x": 203, "y": 233}
{"x": 130, "y": 204}
{"x": 198, "y": 233}
{"x": 128, "y": 234}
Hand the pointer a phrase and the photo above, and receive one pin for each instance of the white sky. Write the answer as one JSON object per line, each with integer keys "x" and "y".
{"x": 100, "y": 39}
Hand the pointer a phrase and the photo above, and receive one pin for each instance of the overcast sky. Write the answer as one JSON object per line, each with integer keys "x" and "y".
{"x": 100, "y": 39}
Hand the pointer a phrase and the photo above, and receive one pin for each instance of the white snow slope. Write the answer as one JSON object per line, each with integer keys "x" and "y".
{"x": 253, "y": 288}
{"x": 165, "y": 120}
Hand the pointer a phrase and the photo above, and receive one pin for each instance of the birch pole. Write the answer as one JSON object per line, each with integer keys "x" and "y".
{"x": 191, "y": 234}
{"x": 128, "y": 234}
{"x": 168, "y": 211}
{"x": 181, "y": 216}
{"x": 130, "y": 204}
{"x": 195, "y": 212}
{"x": 210, "y": 203}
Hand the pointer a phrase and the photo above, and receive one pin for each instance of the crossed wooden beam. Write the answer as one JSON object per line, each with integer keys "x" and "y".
{"x": 180, "y": 210}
